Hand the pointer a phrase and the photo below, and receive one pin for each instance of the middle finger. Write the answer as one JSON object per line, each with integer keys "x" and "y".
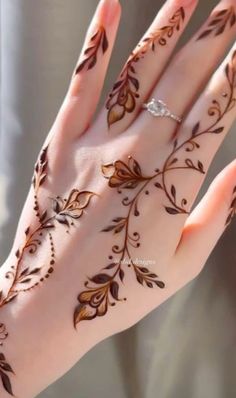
{"x": 189, "y": 71}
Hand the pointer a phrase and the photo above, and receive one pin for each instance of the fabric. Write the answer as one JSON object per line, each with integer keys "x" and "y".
{"x": 187, "y": 347}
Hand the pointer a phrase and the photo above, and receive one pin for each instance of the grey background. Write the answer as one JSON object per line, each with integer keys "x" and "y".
{"x": 186, "y": 348}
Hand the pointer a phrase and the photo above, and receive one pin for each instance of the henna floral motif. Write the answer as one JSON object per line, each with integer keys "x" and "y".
{"x": 102, "y": 290}
{"x": 73, "y": 207}
{"x": 218, "y": 23}
{"x": 232, "y": 208}
{"x": 22, "y": 278}
{"x": 98, "y": 40}
{"x": 123, "y": 96}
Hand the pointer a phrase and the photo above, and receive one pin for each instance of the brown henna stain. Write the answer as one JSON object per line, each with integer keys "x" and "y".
{"x": 102, "y": 290}
{"x": 125, "y": 91}
{"x": 98, "y": 40}
{"x": 232, "y": 209}
{"x": 218, "y": 23}
{"x": 23, "y": 278}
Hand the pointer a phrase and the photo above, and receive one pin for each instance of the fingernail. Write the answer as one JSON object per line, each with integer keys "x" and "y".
{"x": 107, "y": 11}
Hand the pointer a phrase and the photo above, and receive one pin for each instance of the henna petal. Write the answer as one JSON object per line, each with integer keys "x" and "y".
{"x": 102, "y": 309}
{"x": 114, "y": 290}
{"x": 83, "y": 312}
{"x": 116, "y": 113}
{"x": 100, "y": 278}
{"x": 84, "y": 198}
{"x": 108, "y": 170}
{"x": 130, "y": 103}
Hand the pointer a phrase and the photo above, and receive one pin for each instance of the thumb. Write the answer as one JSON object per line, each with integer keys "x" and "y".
{"x": 208, "y": 220}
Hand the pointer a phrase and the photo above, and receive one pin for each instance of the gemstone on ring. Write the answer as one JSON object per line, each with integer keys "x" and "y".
{"x": 159, "y": 108}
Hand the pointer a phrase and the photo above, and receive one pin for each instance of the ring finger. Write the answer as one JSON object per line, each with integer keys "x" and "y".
{"x": 189, "y": 71}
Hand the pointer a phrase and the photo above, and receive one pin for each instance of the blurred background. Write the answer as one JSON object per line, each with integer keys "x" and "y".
{"x": 187, "y": 347}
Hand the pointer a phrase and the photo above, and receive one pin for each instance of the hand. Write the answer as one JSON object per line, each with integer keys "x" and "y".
{"x": 107, "y": 233}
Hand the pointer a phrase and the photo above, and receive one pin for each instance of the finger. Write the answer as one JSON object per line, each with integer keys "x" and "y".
{"x": 89, "y": 74}
{"x": 145, "y": 64}
{"x": 184, "y": 168}
{"x": 207, "y": 222}
{"x": 190, "y": 70}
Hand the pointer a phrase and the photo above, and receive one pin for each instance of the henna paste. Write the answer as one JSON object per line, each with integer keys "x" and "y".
{"x": 125, "y": 91}
{"x": 102, "y": 289}
{"x": 218, "y": 23}
{"x": 98, "y": 40}
{"x": 232, "y": 208}
{"x": 23, "y": 278}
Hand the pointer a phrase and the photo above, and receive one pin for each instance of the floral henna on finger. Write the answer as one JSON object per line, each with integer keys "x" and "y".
{"x": 102, "y": 289}
{"x": 218, "y": 23}
{"x": 97, "y": 41}
{"x": 125, "y": 91}
{"x": 23, "y": 278}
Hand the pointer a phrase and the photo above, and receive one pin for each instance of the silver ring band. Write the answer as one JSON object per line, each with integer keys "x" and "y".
{"x": 159, "y": 109}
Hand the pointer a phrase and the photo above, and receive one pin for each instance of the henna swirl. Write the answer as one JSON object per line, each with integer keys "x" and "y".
{"x": 102, "y": 289}
{"x": 23, "y": 278}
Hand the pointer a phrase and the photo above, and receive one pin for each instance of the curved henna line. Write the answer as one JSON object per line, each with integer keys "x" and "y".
{"x": 3, "y": 333}
{"x": 70, "y": 208}
{"x": 39, "y": 177}
{"x": 5, "y": 368}
{"x": 98, "y": 40}
{"x": 128, "y": 176}
{"x": 210, "y": 129}
{"x": 20, "y": 258}
{"x": 123, "y": 96}
{"x": 218, "y": 22}
{"x": 148, "y": 277}
{"x": 232, "y": 209}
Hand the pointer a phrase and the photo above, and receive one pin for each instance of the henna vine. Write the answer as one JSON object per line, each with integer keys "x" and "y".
{"x": 102, "y": 290}
{"x": 218, "y": 23}
{"x": 22, "y": 278}
{"x": 232, "y": 209}
{"x": 5, "y": 368}
{"x": 123, "y": 96}
{"x": 99, "y": 39}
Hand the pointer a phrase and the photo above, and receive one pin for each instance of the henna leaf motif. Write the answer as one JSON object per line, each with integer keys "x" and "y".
{"x": 5, "y": 369}
{"x": 122, "y": 175}
{"x": 125, "y": 91}
{"x": 94, "y": 300}
{"x": 72, "y": 207}
{"x": 218, "y": 23}
{"x": 40, "y": 170}
{"x": 98, "y": 40}
{"x": 232, "y": 208}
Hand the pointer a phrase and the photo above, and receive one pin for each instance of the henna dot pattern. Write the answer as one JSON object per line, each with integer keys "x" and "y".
{"x": 23, "y": 278}
{"x": 127, "y": 178}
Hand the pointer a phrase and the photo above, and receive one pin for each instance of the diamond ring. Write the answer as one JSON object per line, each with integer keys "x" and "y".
{"x": 159, "y": 108}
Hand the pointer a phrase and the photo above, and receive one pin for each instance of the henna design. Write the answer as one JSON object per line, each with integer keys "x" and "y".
{"x": 4, "y": 369}
{"x": 23, "y": 278}
{"x": 94, "y": 300}
{"x": 99, "y": 39}
{"x": 123, "y": 96}
{"x": 218, "y": 23}
{"x": 39, "y": 177}
{"x": 232, "y": 209}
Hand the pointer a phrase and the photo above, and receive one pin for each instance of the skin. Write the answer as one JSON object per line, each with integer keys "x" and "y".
{"x": 44, "y": 323}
